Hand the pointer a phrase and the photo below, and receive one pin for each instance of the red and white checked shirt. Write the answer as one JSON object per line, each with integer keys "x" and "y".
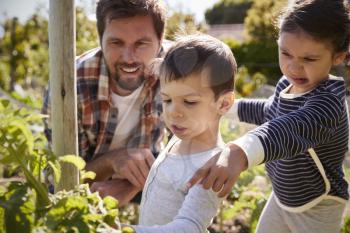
{"x": 97, "y": 117}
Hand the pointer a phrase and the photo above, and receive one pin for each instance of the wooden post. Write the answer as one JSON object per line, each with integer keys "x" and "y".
{"x": 63, "y": 86}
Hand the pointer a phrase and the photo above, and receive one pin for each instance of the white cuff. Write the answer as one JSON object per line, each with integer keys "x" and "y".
{"x": 252, "y": 147}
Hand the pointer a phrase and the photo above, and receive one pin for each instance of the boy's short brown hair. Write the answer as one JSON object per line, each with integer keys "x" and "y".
{"x": 204, "y": 55}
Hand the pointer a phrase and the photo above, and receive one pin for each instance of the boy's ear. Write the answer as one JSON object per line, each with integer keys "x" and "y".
{"x": 225, "y": 102}
{"x": 339, "y": 58}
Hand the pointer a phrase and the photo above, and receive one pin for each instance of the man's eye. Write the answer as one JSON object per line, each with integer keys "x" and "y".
{"x": 142, "y": 44}
{"x": 116, "y": 42}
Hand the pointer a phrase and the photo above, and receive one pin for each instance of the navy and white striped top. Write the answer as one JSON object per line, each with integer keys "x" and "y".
{"x": 304, "y": 139}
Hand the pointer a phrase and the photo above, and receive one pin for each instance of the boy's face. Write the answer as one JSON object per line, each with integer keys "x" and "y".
{"x": 189, "y": 108}
{"x": 128, "y": 45}
{"x": 304, "y": 61}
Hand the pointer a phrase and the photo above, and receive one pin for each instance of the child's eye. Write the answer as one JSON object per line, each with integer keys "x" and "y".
{"x": 166, "y": 101}
{"x": 190, "y": 102}
{"x": 309, "y": 59}
{"x": 286, "y": 54}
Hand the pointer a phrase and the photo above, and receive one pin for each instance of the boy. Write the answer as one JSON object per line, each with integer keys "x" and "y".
{"x": 197, "y": 81}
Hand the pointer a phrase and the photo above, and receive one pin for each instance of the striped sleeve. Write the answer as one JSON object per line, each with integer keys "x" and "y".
{"x": 253, "y": 111}
{"x": 297, "y": 131}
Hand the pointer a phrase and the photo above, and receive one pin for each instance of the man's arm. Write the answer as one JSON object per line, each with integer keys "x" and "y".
{"x": 120, "y": 189}
{"x": 132, "y": 164}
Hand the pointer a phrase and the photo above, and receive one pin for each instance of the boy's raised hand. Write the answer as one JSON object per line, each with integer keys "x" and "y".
{"x": 222, "y": 171}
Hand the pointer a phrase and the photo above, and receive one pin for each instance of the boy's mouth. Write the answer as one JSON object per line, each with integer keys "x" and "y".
{"x": 176, "y": 129}
{"x": 299, "y": 81}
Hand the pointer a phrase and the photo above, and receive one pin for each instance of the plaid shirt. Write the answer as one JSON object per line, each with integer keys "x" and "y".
{"x": 97, "y": 117}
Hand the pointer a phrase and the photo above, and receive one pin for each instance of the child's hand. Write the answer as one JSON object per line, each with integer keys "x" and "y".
{"x": 221, "y": 172}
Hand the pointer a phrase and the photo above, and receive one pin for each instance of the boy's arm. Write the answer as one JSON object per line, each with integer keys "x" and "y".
{"x": 251, "y": 111}
{"x": 283, "y": 137}
{"x": 195, "y": 214}
{"x": 296, "y": 132}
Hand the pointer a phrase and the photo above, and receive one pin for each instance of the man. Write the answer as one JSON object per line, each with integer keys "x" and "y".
{"x": 118, "y": 103}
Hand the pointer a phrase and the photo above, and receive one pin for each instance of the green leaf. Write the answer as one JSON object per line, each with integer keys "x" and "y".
{"x": 74, "y": 160}
{"x": 88, "y": 175}
{"x": 56, "y": 169}
{"x": 128, "y": 230}
{"x": 110, "y": 202}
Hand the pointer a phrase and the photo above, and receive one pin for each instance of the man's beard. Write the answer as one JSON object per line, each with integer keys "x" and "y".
{"x": 126, "y": 83}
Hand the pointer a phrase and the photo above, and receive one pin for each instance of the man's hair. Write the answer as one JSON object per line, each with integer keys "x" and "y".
{"x": 327, "y": 20}
{"x": 108, "y": 10}
{"x": 204, "y": 55}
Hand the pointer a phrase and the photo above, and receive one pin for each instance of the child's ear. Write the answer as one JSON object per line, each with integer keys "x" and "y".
{"x": 225, "y": 102}
{"x": 339, "y": 58}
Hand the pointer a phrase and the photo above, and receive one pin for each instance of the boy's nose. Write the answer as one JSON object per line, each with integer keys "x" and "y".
{"x": 294, "y": 67}
{"x": 175, "y": 111}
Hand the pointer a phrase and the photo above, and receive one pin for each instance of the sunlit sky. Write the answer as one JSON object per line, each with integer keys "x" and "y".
{"x": 24, "y": 8}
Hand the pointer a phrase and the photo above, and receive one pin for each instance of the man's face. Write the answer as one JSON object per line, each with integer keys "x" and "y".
{"x": 128, "y": 45}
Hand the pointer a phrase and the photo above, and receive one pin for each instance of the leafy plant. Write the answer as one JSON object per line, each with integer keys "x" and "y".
{"x": 26, "y": 205}
{"x": 346, "y": 225}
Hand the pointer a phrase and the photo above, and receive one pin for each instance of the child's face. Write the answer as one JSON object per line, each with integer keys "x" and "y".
{"x": 304, "y": 61}
{"x": 189, "y": 108}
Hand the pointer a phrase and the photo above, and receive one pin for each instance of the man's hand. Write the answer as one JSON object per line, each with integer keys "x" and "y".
{"x": 120, "y": 189}
{"x": 132, "y": 164}
{"x": 222, "y": 171}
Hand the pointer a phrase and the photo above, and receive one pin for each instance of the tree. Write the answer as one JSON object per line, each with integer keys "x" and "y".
{"x": 228, "y": 12}
{"x": 24, "y": 49}
{"x": 261, "y": 20}
{"x": 13, "y": 53}
{"x": 181, "y": 23}
{"x": 87, "y": 37}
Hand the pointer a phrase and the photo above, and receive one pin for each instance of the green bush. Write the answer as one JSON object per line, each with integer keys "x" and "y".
{"x": 25, "y": 204}
{"x": 228, "y": 12}
{"x": 257, "y": 57}
{"x": 346, "y": 225}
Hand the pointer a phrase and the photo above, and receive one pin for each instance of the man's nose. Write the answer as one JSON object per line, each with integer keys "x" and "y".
{"x": 129, "y": 55}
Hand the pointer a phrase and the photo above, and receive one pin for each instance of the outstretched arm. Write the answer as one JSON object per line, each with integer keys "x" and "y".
{"x": 283, "y": 137}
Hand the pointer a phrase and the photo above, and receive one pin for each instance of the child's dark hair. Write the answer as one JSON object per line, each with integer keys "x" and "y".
{"x": 322, "y": 19}
{"x": 114, "y": 9}
{"x": 204, "y": 55}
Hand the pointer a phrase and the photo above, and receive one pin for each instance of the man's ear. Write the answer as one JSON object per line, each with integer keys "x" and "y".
{"x": 339, "y": 58}
{"x": 225, "y": 102}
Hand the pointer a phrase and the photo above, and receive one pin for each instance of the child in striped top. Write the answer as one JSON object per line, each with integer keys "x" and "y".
{"x": 303, "y": 128}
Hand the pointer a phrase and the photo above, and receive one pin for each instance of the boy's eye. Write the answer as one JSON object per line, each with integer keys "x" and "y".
{"x": 187, "y": 102}
{"x": 166, "y": 101}
{"x": 286, "y": 54}
{"x": 309, "y": 59}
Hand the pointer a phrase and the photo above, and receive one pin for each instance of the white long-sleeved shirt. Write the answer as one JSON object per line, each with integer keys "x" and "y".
{"x": 167, "y": 205}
